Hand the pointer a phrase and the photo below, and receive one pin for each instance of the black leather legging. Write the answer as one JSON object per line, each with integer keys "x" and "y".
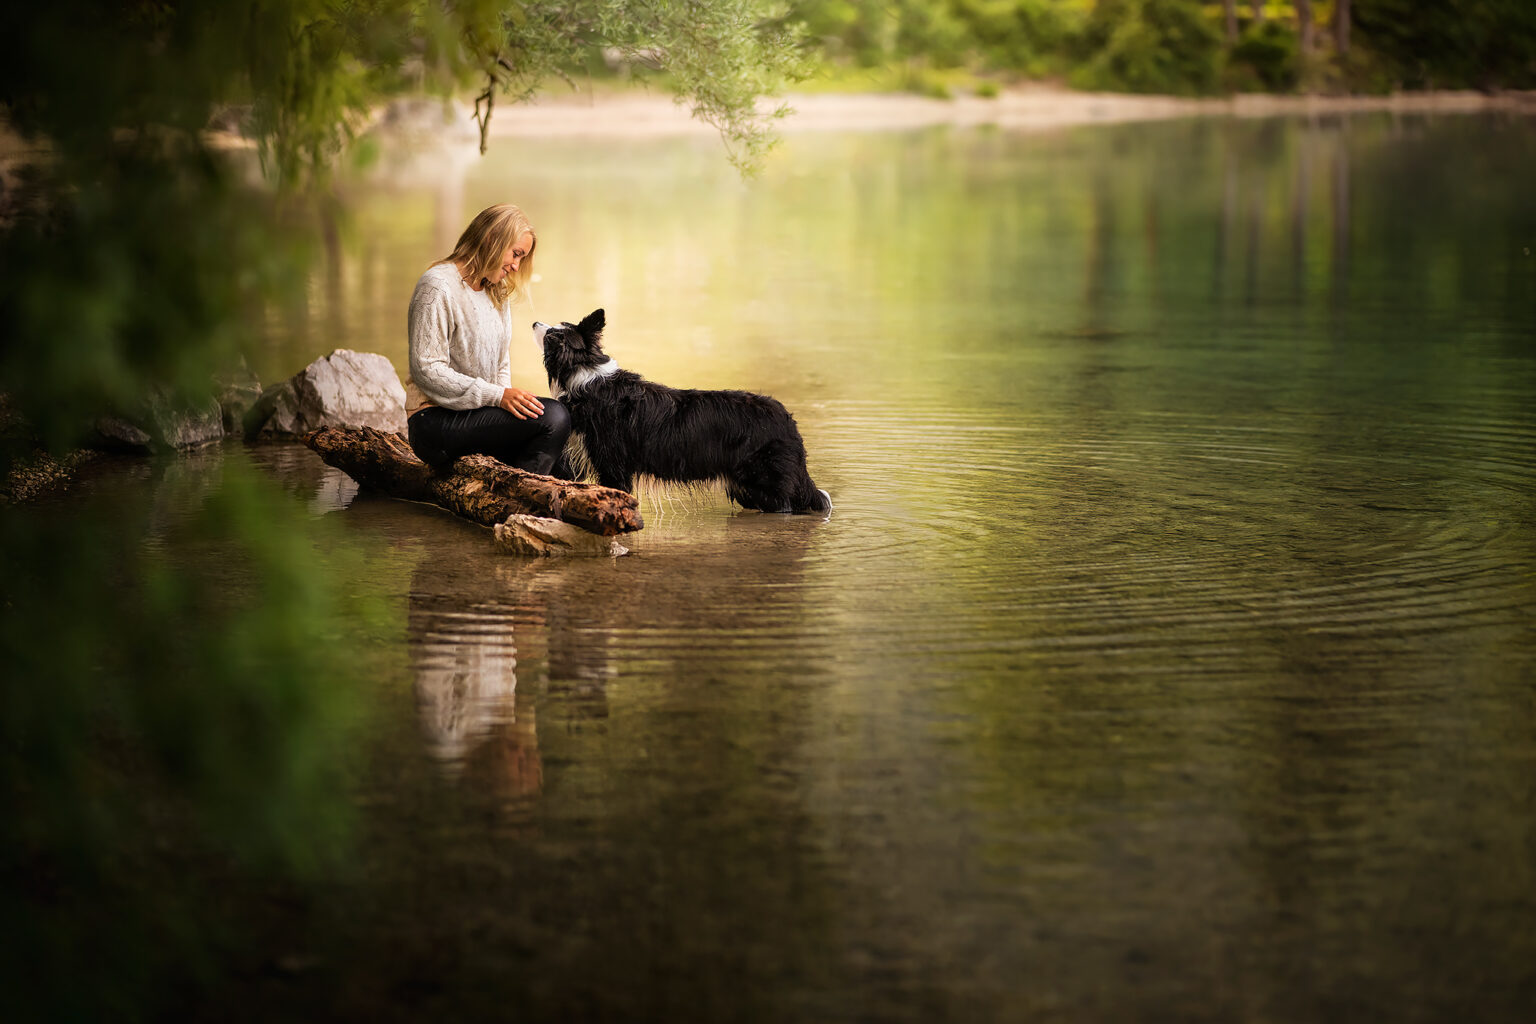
{"x": 438, "y": 436}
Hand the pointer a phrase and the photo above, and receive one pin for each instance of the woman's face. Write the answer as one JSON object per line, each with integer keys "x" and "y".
{"x": 513, "y": 258}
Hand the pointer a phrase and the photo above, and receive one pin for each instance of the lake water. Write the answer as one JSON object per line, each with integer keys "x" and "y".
{"x": 1169, "y": 654}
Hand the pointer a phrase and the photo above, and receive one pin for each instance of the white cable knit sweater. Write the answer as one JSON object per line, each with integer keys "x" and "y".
{"x": 460, "y": 344}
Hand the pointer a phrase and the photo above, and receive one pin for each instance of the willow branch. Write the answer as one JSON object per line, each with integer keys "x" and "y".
{"x": 484, "y": 121}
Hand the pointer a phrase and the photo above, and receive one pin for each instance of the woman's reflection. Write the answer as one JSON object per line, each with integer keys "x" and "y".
{"x": 465, "y": 662}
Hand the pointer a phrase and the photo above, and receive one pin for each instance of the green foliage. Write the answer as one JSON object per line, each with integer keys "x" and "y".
{"x": 140, "y": 276}
{"x": 1266, "y": 57}
{"x": 935, "y": 31}
{"x": 178, "y": 709}
{"x": 720, "y": 57}
{"x": 1450, "y": 43}
{"x": 863, "y": 31}
{"x": 1176, "y": 46}
{"x": 1011, "y": 34}
{"x": 1166, "y": 46}
{"x": 917, "y": 78}
{"x": 1019, "y": 34}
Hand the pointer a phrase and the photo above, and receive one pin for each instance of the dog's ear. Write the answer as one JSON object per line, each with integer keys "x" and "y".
{"x": 571, "y": 337}
{"x": 591, "y": 326}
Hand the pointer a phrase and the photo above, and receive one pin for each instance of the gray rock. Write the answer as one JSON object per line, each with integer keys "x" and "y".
{"x": 547, "y": 538}
{"x": 351, "y": 389}
{"x": 343, "y": 389}
{"x": 174, "y": 426}
{"x": 275, "y": 413}
{"x": 162, "y": 423}
{"x": 116, "y": 434}
{"x": 237, "y": 392}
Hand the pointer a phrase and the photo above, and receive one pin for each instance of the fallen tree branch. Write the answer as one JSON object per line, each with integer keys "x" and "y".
{"x": 477, "y": 487}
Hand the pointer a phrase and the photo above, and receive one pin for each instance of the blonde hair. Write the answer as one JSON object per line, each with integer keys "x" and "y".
{"x": 480, "y": 248}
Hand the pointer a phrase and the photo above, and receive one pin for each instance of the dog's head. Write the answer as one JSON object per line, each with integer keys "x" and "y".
{"x": 570, "y": 349}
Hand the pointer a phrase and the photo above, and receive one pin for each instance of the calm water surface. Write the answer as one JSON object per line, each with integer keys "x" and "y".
{"x": 1170, "y": 652}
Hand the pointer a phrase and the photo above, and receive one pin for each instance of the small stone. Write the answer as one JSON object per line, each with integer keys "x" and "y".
{"x": 40, "y": 473}
{"x": 540, "y": 537}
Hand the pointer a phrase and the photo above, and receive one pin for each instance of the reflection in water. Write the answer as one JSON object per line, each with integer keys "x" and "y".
{"x": 1169, "y": 652}
{"x": 464, "y": 635}
{"x": 1341, "y": 224}
{"x": 323, "y": 489}
{"x": 465, "y": 664}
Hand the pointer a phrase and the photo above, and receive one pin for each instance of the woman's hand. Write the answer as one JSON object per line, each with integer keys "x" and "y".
{"x": 521, "y": 404}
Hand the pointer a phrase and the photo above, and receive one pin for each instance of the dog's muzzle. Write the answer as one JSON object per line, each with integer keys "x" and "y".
{"x": 538, "y": 333}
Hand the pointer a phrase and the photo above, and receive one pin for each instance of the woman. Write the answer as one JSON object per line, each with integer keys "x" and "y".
{"x": 461, "y": 400}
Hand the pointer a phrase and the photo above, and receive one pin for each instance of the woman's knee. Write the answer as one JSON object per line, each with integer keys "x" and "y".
{"x": 556, "y": 418}
{"x": 425, "y": 439}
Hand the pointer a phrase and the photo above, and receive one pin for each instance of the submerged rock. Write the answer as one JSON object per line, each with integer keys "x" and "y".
{"x": 162, "y": 423}
{"x": 116, "y": 434}
{"x": 177, "y": 426}
{"x": 344, "y": 389}
{"x": 532, "y": 535}
{"x": 237, "y": 392}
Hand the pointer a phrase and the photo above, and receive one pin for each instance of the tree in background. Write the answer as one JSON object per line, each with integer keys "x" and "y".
{"x": 1148, "y": 46}
{"x": 1166, "y": 45}
{"x": 1481, "y": 44}
{"x": 1017, "y": 35}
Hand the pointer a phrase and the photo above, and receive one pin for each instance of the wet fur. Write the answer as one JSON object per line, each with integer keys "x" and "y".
{"x": 625, "y": 428}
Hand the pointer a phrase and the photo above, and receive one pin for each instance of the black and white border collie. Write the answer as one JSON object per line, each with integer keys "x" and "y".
{"x": 631, "y": 427}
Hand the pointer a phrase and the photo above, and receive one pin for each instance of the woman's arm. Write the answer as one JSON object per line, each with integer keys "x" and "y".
{"x": 522, "y": 404}
{"x": 430, "y": 325}
{"x": 504, "y": 366}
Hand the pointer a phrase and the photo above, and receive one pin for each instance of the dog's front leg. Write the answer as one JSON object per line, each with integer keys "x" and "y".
{"x": 563, "y": 469}
{"x": 611, "y": 475}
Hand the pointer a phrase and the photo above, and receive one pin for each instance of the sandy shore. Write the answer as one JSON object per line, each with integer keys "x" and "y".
{"x": 631, "y": 114}
{"x": 640, "y": 114}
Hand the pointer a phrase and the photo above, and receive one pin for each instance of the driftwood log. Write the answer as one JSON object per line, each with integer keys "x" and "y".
{"x": 550, "y": 538}
{"x": 477, "y": 487}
